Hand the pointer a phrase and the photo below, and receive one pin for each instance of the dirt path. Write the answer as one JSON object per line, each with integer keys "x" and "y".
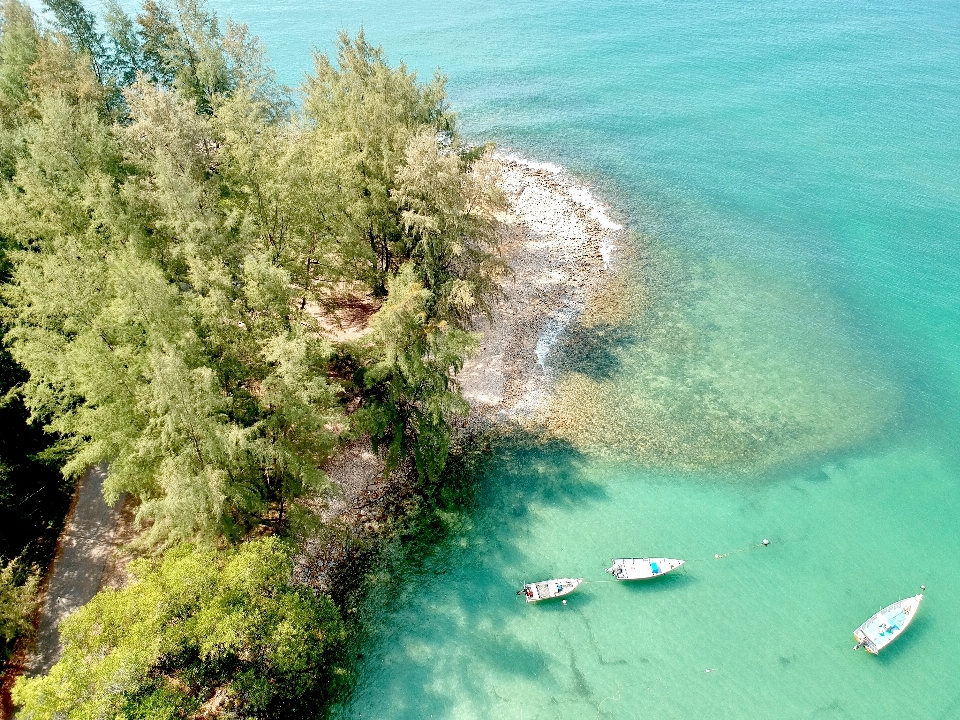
{"x": 77, "y": 567}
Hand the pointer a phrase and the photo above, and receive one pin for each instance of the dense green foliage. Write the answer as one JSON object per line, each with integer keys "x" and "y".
{"x": 175, "y": 258}
{"x": 18, "y": 602}
{"x": 31, "y": 493}
{"x": 220, "y": 629}
{"x": 34, "y": 495}
{"x": 179, "y": 240}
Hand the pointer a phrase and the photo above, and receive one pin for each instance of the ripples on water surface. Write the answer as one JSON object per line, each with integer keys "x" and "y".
{"x": 792, "y": 172}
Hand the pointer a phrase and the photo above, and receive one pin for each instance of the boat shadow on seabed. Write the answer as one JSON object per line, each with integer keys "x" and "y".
{"x": 904, "y": 643}
{"x": 576, "y": 601}
{"x": 668, "y": 582}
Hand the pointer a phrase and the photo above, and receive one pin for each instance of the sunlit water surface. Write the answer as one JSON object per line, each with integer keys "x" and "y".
{"x": 792, "y": 174}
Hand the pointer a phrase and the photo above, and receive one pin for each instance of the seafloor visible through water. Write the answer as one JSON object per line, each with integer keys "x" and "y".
{"x": 791, "y": 174}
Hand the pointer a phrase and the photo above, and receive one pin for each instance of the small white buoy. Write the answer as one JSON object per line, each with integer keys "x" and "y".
{"x": 564, "y": 602}
{"x": 766, "y": 542}
{"x": 923, "y": 587}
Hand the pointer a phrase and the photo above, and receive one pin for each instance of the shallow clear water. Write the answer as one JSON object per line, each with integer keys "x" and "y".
{"x": 793, "y": 170}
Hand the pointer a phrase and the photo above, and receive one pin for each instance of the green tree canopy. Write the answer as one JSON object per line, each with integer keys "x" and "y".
{"x": 80, "y": 26}
{"x": 177, "y": 241}
{"x": 171, "y": 270}
{"x": 225, "y": 629}
{"x": 18, "y": 603}
{"x": 360, "y": 115}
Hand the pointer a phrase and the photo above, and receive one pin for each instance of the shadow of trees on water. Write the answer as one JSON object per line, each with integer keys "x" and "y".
{"x": 446, "y": 572}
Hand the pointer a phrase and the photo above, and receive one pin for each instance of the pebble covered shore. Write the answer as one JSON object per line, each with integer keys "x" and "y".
{"x": 561, "y": 247}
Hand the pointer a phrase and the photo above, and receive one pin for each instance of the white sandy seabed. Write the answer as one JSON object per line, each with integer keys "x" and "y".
{"x": 561, "y": 245}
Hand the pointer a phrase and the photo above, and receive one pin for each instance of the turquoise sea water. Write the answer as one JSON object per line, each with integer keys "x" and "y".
{"x": 795, "y": 168}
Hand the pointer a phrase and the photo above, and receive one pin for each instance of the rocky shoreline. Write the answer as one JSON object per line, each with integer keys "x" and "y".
{"x": 561, "y": 246}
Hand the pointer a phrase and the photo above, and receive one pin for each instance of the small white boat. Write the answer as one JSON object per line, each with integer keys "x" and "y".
{"x": 642, "y": 568}
{"x": 534, "y": 592}
{"x": 887, "y": 625}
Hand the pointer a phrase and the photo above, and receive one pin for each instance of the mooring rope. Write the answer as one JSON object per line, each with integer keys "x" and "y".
{"x": 717, "y": 556}
{"x": 720, "y": 556}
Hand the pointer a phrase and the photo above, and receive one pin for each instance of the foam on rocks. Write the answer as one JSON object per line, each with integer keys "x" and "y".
{"x": 560, "y": 242}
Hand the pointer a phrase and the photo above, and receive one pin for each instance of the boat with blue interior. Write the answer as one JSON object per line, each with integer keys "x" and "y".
{"x": 642, "y": 568}
{"x": 887, "y": 625}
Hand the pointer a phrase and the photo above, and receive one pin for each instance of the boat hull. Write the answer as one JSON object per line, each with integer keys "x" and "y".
{"x": 887, "y": 625}
{"x": 549, "y": 589}
{"x": 642, "y": 568}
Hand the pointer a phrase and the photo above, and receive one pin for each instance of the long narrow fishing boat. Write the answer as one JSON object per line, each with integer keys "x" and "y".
{"x": 887, "y": 625}
{"x": 535, "y": 592}
{"x": 642, "y": 568}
